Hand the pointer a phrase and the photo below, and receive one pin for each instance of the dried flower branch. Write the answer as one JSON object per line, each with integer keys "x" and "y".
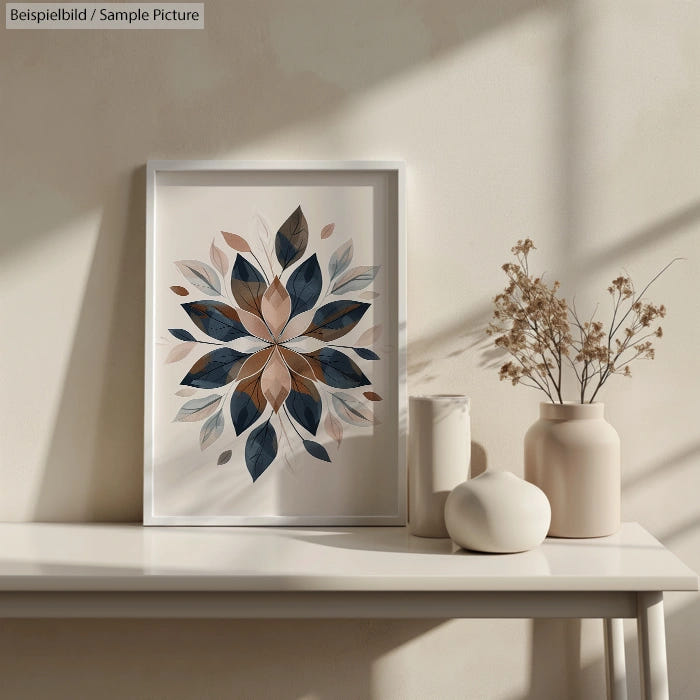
{"x": 543, "y": 334}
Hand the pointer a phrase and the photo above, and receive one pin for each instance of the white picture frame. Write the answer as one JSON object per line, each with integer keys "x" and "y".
{"x": 216, "y": 230}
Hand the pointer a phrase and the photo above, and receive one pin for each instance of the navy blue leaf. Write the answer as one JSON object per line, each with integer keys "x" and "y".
{"x": 285, "y": 250}
{"x": 304, "y": 285}
{"x": 247, "y": 403}
{"x": 366, "y": 354}
{"x": 291, "y": 239}
{"x": 336, "y": 369}
{"x": 304, "y": 403}
{"x": 216, "y": 319}
{"x": 216, "y": 368}
{"x": 260, "y": 449}
{"x": 335, "y": 319}
{"x": 181, "y": 334}
{"x": 247, "y": 285}
{"x": 316, "y": 450}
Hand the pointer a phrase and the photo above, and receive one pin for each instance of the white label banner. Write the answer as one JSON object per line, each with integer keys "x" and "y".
{"x": 123, "y": 15}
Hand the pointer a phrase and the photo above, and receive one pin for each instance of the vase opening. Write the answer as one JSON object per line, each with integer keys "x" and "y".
{"x": 442, "y": 397}
{"x": 570, "y": 410}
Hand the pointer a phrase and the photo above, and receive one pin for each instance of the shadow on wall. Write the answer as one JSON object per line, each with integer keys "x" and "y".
{"x": 114, "y": 659}
{"x": 94, "y": 462}
{"x": 468, "y": 333}
{"x": 249, "y": 659}
{"x": 669, "y": 463}
{"x": 469, "y": 330}
{"x": 479, "y": 459}
{"x": 242, "y": 78}
{"x": 245, "y": 76}
{"x": 558, "y": 671}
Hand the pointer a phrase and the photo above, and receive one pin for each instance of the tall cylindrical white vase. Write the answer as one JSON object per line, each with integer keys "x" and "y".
{"x": 438, "y": 458}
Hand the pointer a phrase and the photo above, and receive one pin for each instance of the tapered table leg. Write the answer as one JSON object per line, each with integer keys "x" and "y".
{"x": 652, "y": 645}
{"x": 615, "y": 672}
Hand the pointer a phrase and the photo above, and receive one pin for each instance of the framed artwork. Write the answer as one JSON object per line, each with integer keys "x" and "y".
{"x": 275, "y": 386}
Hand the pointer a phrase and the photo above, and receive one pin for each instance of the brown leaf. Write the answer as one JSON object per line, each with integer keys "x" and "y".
{"x": 247, "y": 285}
{"x": 180, "y": 352}
{"x": 291, "y": 239}
{"x": 236, "y": 242}
{"x": 180, "y": 291}
{"x": 254, "y": 325}
{"x": 218, "y": 259}
{"x": 255, "y": 363}
{"x": 297, "y": 363}
{"x": 370, "y": 336}
{"x": 224, "y": 457}
{"x": 334, "y": 428}
{"x": 297, "y": 325}
{"x": 372, "y": 396}
{"x": 276, "y": 305}
{"x": 186, "y": 391}
{"x": 276, "y": 382}
{"x": 327, "y": 230}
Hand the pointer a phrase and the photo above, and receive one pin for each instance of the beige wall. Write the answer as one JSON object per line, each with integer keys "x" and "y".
{"x": 575, "y": 124}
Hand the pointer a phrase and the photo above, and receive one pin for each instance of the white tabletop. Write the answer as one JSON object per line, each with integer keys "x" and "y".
{"x": 129, "y": 557}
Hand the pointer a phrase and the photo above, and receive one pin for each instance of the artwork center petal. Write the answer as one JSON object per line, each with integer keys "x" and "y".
{"x": 276, "y": 382}
{"x": 276, "y": 307}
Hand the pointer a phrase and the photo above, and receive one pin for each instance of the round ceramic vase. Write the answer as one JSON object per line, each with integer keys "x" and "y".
{"x": 573, "y": 454}
{"x": 497, "y": 512}
{"x": 438, "y": 458}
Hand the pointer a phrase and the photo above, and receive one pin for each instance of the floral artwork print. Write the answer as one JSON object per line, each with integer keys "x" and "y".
{"x": 271, "y": 371}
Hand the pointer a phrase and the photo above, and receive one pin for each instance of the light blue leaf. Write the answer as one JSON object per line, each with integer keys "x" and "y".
{"x": 198, "y": 409}
{"x": 352, "y": 411}
{"x": 211, "y": 430}
{"x": 355, "y": 279}
{"x": 340, "y": 260}
{"x": 200, "y": 275}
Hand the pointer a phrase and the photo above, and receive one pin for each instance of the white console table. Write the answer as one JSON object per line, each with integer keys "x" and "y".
{"x": 125, "y": 570}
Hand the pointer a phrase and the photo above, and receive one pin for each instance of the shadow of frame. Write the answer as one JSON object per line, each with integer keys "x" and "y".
{"x": 93, "y": 467}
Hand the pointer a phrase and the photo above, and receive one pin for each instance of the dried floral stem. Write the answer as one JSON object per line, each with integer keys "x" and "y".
{"x": 537, "y": 328}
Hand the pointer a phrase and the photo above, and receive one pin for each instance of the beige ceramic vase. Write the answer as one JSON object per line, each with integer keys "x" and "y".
{"x": 573, "y": 454}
